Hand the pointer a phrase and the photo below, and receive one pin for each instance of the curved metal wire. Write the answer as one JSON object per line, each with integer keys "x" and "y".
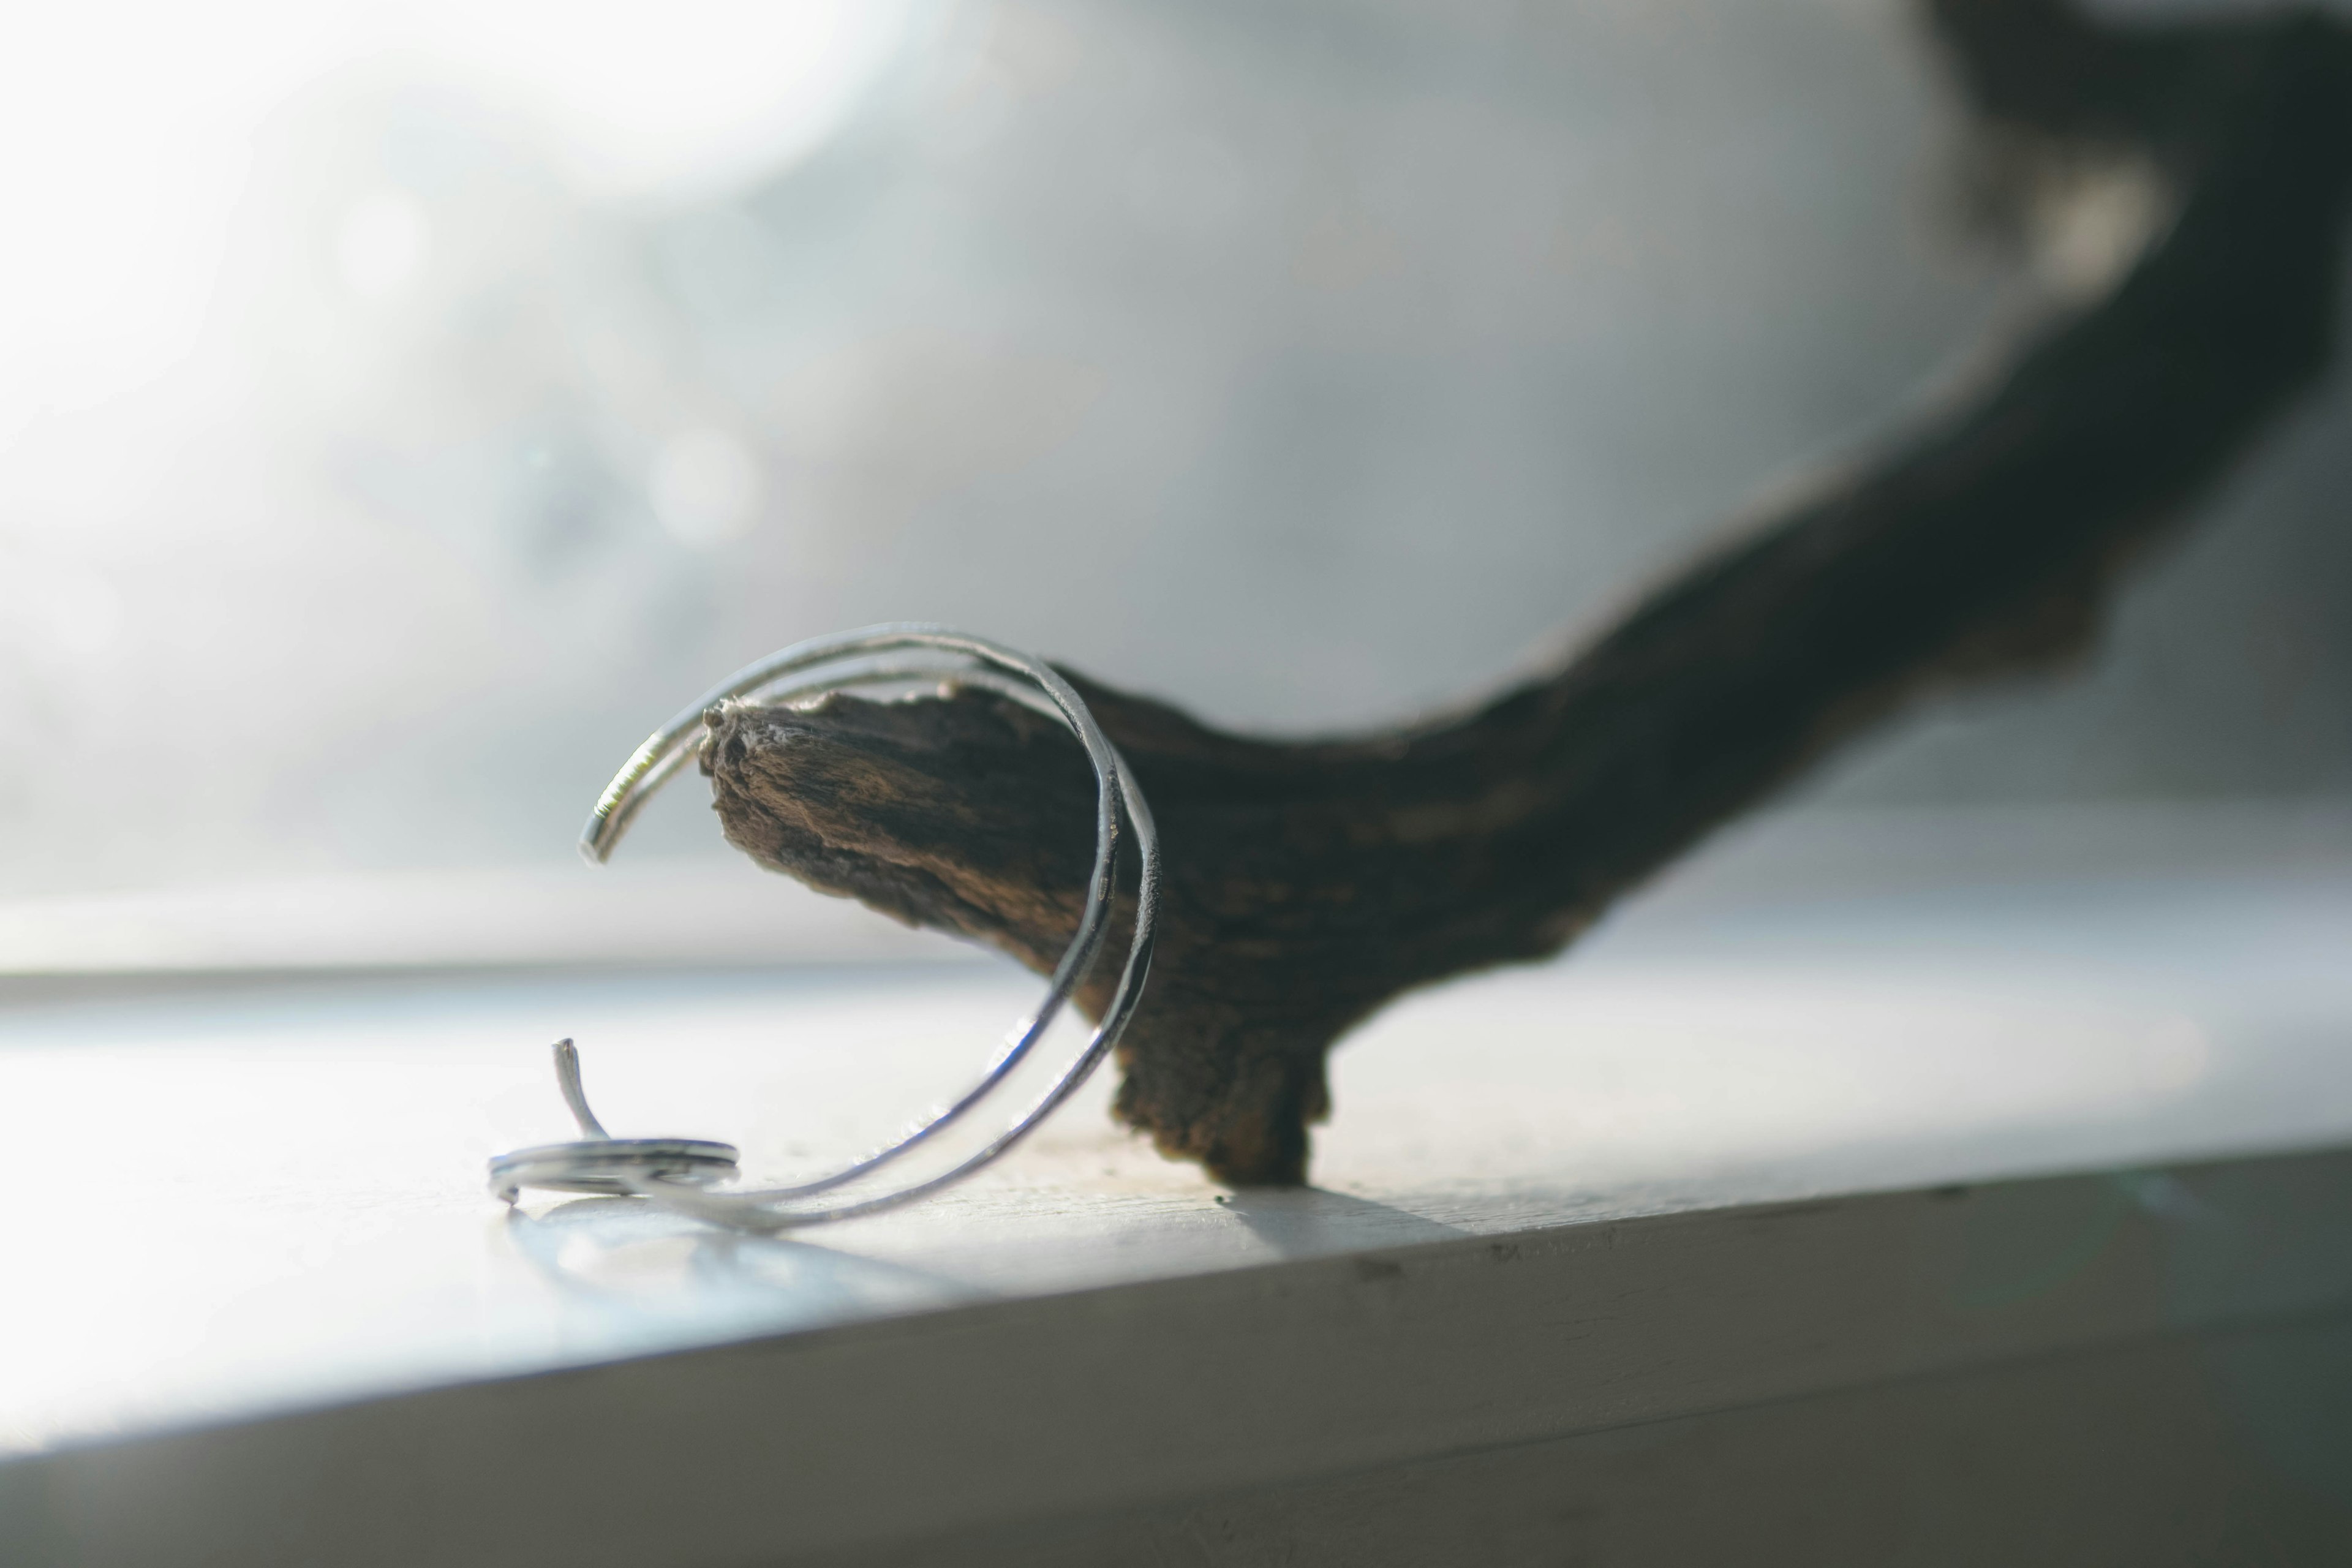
{"x": 679, "y": 1172}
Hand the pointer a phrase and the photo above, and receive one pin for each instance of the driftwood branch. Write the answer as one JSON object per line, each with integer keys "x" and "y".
{"x": 1308, "y": 883}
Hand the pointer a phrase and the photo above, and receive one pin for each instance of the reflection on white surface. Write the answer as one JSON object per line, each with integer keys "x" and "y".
{"x": 252, "y": 1196}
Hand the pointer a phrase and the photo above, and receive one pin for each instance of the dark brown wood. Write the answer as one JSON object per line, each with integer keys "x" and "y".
{"x": 1309, "y": 882}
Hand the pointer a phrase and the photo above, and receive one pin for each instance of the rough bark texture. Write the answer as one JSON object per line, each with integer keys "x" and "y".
{"x": 1308, "y": 883}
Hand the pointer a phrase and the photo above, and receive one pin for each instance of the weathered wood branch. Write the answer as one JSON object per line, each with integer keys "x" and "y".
{"x": 1308, "y": 883}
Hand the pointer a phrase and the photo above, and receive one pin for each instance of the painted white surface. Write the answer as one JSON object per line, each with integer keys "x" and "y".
{"x": 256, "y": 1197}
{"x": 2208, "y": 1304}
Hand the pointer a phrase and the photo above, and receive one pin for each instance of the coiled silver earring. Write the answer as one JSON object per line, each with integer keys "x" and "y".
{"x": 685, "y": 1174}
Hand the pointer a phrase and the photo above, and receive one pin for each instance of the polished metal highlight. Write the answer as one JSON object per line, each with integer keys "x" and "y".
{"x": 682, "y": 1173}
{"x": 599, "y": 1162}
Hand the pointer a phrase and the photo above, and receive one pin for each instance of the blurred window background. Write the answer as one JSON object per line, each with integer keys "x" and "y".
{"x": 405, "y": 406}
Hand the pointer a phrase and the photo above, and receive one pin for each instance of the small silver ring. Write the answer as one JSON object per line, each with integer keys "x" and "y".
{"x": 600, "y": 1165}
{"x": 684, "y": 1174}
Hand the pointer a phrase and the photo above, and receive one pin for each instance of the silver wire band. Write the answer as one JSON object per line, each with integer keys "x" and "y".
{"x": 677, "y": 1172}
